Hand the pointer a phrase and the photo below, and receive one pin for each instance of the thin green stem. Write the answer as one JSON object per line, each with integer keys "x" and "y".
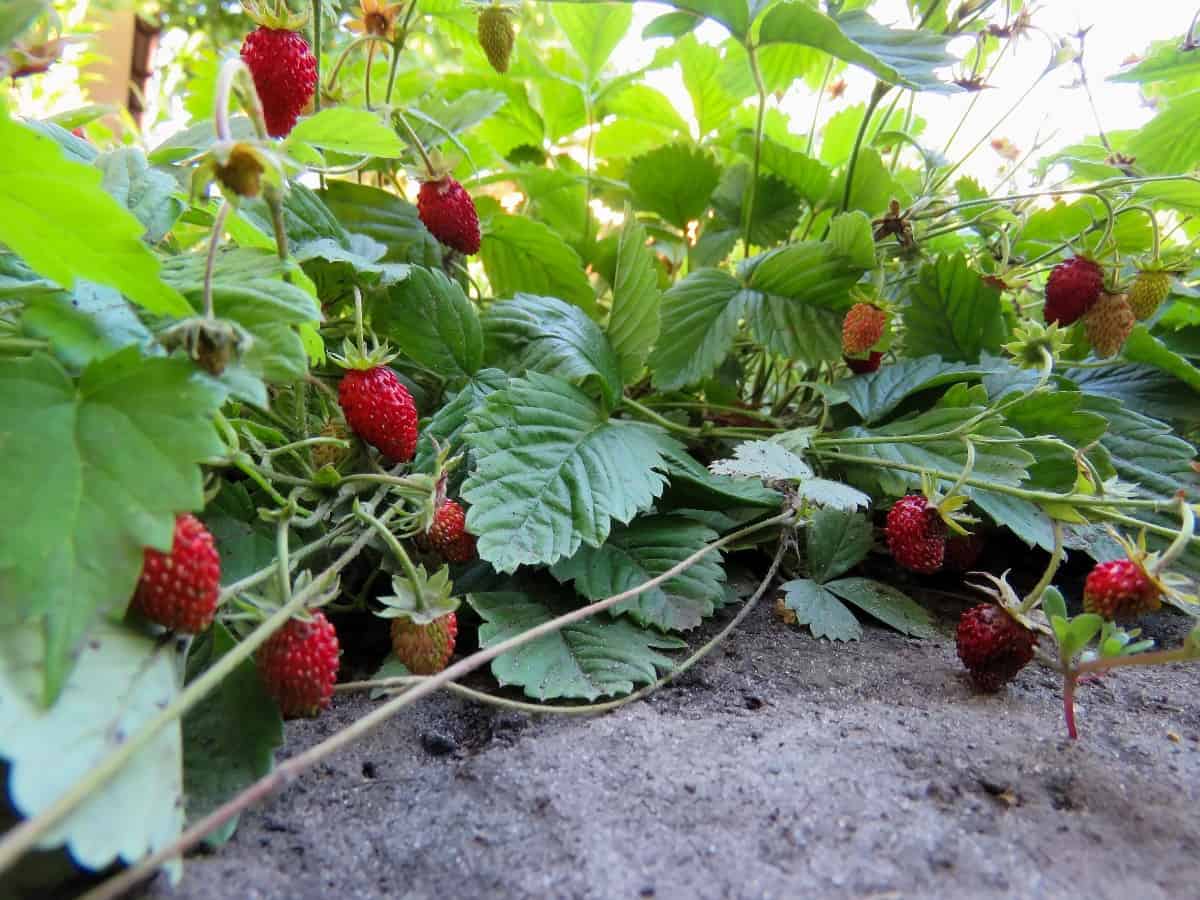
{"x": 647, "y": 413}
{"x": 1032, "y": 598}
{"x": 877, "y": 94}
{"x": 316, "y": 17}
{"x": 974, "y": 100}
{"x": 430, "y": 169}
{"x": 398, "y": 551}
{"x": 751, "y": 194}
{"x": 210, "y": 261}
{"x": 346, "y": 51}
{"x": 812, "y": 129}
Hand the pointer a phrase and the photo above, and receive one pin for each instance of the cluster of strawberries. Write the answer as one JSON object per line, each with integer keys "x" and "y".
{"x": 992, "y": 643}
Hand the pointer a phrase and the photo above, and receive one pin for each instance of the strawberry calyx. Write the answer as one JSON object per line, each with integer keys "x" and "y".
{"x": 275, "y": 14}
{"x": 358, "y": 357}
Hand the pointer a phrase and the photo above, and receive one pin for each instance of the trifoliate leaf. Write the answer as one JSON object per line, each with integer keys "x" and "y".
{"x": 553, "y": 472}
{"x": 121, "y": 680}
{"x": 522, "y": 255}
{"x": 431, "y": 320}
{"x": 638, "y": 552}
{"x": 701, "y": 314}
{"x": 836, "y": 543}
{"x": 598, "y": 657}
{"x": 674, "y": 181}
{"x": 953, "y": 313}
{"x": 823, "y": 613}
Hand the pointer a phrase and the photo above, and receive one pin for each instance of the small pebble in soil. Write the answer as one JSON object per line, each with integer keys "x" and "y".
{"x": 368, "y": 769}
{"x": 438, "y": 744}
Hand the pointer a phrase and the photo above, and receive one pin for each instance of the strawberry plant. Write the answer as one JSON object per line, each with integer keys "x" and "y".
{"x": 445, "y": 315}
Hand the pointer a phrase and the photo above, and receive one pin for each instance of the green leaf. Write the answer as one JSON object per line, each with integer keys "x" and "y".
{"x": 894, "y": 55}
{"x": 593, "y": 30}
{"x": 56, "y": 215}
{"x": 1143, "y": 347}
{"x": 702, "y": 315}
{"x": 383, "y": 217}
{"x": 1024, "y": 519}
{"x": 594, "y": 658}
{"x": 953, "y": 313}
{"x": 1169, "y": 143}
{"x": 874, "y": 186}
{"x": 876, "y": 395}
{"x": 671, "y": 25}
{"x": 819, "y": 273}
{"x": 1053, "y": 604}
{"x": 776, "y": 205}
{"x": 886, "y": 604}
{"x": 543, "y": 334}
{"x": 706, "y": 78}
{"x": 1146, "y": 453}
{"x": 765, "y": 460}
{"x": 816, "y": 607}
{"x": 643, "y": 550}
{"x": 553, "y": 471}
{"x": 447, "y": 424}
{"x": 521, "y": 255}
{"x": 78, "y": 519}
{"x": 808, "y": 335}
{"x": 347, "y": 130}
{"x": 229, "y": 738}
{"x": 837, "y": 542}
{"x": 633, "y": 324}
{"x": 121, "y": 680}
{"x": 88, "y": 323}
{"x": 430, "y": 318}
{"x": 440, "y": 119}
{"x": 1168, "y": 62}
{"x": 809, "y": 176}
{"x": 147, "y": 193}
{"x": 674, "y": 181}
{"x": 1149, "y": 390}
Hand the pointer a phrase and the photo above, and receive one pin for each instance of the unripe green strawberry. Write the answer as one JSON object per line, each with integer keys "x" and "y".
{"x": 1147, "y": 293}
{"x": 1120, "y": 589}
{"x": 1108, "y": 323}
{"x": 496, "y": 36}
{"x": 179, "y": 590}
{"x": 862, "y": 328}
{"x": 299, "y": 665}
{"x": 425, "y": 649}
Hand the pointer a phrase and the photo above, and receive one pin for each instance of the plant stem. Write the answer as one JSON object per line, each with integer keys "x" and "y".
{"x": 429, "y": 167}
{"x": 877, "y": 94}
{"x": 275, "y": 204}
{"x": 647, "y": 413}
{"x": 1032, "y": 598}
{"x": 292, "y": 768}
{"x": 25, "y": 836}
{"x": 812, "y": 129}
{"x": 316, "y": 16}
{"x": 210, "y": 261}
{"x": 1069, "y": 682}
{"x": 751, "y": 194}
{"x": 398, "y": 551}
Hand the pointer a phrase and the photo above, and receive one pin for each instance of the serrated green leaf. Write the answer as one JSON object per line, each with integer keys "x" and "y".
{"x": 765, "y": 460}
{"x": 818, "y": 273}
{"x": 524, "y": 256}
{"x": 953, "y": 313}
{"x": 347, "y": 130}
{"x": 776, "y": 205}
{"x": 885, "y": 603}
{"x": 543, "y": 334}
{"x": 1169, "y": 143}
{"x": 805, "y": 334}
{"x": 57, "y": 217}
{"x": 229, "y": 738}
{"x": 447, "y": 424}
{"x": 895, "y": 56}
{"x": 702, "y": 315}
{"x": 643, "y": 550}
{"x": 78, "y": 519}
{"x": 386, "y": 218}
{"x": 597, "y": 657}
{"x": 1149, "y": 390}
{"x": 633, "y": 324}
{"x": 431, "y": 320}
{"x": 1143, "y": 347}
{"x": 553, "y": 472}
{"x": 593, "y": 30}
{"x": 147, "y": 193}
{"x": 90, "y": 322}
{"x": 876, "y": 395}
{"x": 1024, "y": 519}
{"x": 824, "y": 614}
{"x": 121, "y": 680}
{"x": 671, "y": 25}
{"x": 1167, "y": 62}
{"x": 809, "y": 176}
{"x": 837, "y": 542}
{"x": 674, "y": 181}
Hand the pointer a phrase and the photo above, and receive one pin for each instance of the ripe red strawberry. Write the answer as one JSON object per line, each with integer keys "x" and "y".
{"x": 496, "y": 36}
{"x": 380, "y": 410}
{"x": 1147, "y": 293}
{"x": 1119, "y": 589}
{"x": 449, "y": 213}
{"x": 864, "y": 366}
{"x": 962, "y": 551}
{"x": 862, "y": 328}
{"x": 1071, "y": 289}
{"x": 299, "y": 665}
{"x": 1108, "y": 324}
{"x": 916, "y": 534}
{"x": 425, "y": 649}
{"x": 179, "y": 590}
{"x": 993, "y": 646}
{"x": 285, "y": 75}
{"x": 448, "y": 533}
